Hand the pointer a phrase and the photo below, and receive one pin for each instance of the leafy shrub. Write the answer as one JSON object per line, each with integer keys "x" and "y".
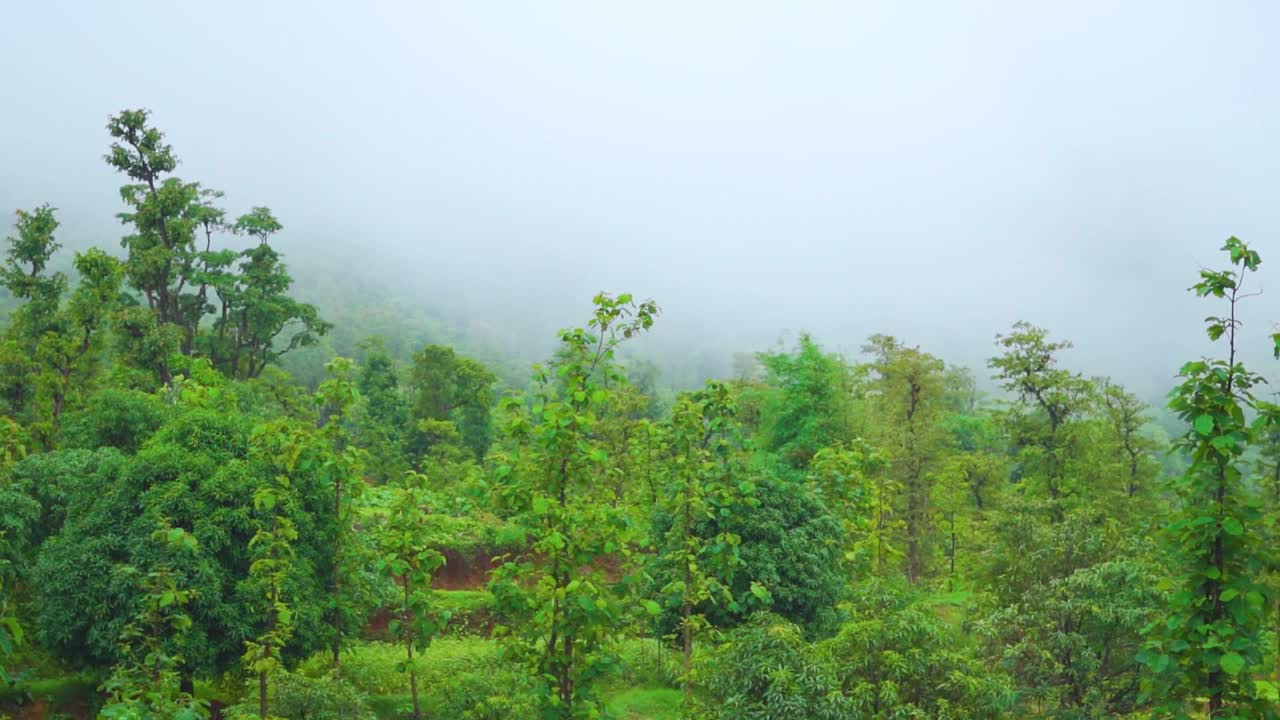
{"x": 457, "y": 678}
{"x": 790, "y": 545}
{"x": 896, "y": 652}
{"x": 45, "y": 484}
{"x": 298, "y": 697}
{"x": 493, "y": 693}
{"x": 121, "y": 419}
{"x": 766, "y": 671}
{"x": 368, "y": 667}
{"x": 1072, "y": 642}
{"x": 198, "y": 473}
{"x": 645, "y": 662}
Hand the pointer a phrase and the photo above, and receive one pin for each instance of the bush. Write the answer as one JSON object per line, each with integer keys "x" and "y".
{"x": 896, "y": 651}
{"x": 457, "y": 678}
{"x": 493, "y": 693}
{"x": 790, "y": 544}
{"x": 298, "y": 697}
{"x": 647, "y": 662}
{"x": 766, "y": 671}
{"x": 374, "y": 667}
{"x": 121, "y": 419}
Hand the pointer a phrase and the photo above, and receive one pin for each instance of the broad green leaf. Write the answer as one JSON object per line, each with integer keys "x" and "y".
{"x": 1204, "y": 424}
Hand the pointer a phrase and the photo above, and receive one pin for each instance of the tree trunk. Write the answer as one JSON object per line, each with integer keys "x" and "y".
{"x": 953, "y": 549}
{"x": 408, "y": 647}
{"x": 1133, "y": 475}
{"x": 566, "y": 676}
{"x": 688, "y": 653}
{"x": 262, "y": 695}
{"x": 337, "y": 579}
{"x": 687, "y": 609}
{"x": 1213, "y": 588}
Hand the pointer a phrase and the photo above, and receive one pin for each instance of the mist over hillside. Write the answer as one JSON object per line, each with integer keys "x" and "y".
{"x": 758, "y": 168}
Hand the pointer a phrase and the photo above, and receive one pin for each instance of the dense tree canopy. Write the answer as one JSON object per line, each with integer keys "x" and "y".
{"x": 192, "y": 522}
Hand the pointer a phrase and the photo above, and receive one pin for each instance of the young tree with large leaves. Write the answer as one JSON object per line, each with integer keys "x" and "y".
{"x": 850, "y": 480}
{"x": 146, "y": 682}
{"x": 271, "y": 551}
{"x": 341, "y": 468}
{"x": 564, "y": 607}
{"x": 1210, "y": 644}
{"x": 698, "y": 484}
{"x": 408, "y": 559}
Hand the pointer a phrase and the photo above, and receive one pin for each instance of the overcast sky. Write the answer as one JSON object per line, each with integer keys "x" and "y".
{"x": 934, "y": 170}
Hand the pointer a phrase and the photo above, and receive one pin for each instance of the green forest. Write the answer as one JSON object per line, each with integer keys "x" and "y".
{"x": 202, "y": 516}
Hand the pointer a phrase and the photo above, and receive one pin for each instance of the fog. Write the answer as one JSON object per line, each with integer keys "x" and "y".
{"x": 936, "y": 171}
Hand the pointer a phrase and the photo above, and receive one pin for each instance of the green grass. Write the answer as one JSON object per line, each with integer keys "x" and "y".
{"x": 464, "y": 601}
{"x": 644, "y": 703}
{"x": 950, "y": 606}
{"x": 472, "y": 611}
{"x": 390, "y": 706}
{"x": 954, "y": 598}
{"x": 66, "y": 695}
{"x": 56, "y": 690}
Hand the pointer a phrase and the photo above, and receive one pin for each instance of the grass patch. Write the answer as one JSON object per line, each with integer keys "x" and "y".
{"x": 644, "y": 703}
{"x": 69, "y": 695}
{"x": 67, "y": 688}
{"x": 455, "y": 676}
{"x": 955, "y": 598}
{"x": 472, "y": 611}
{"x": 464, "y": 600}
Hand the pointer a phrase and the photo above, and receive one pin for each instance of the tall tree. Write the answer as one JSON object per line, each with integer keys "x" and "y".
{"x": 381, "y": 420}
{"x": 26, "y": 276}
{"x": 449, "y": 387}
{"x": 162, "y": 251}
{"x": 257, "y": 322}
{"x": 1050, "y": 400}
{"x": 810, "y": 406}
{"x": 908, "y": 387}
{"x": 1125, "y": 419}
{"x": 166, "y": 266}
{"x": 52, "y": 351}
{"x": 69, "y": 356}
